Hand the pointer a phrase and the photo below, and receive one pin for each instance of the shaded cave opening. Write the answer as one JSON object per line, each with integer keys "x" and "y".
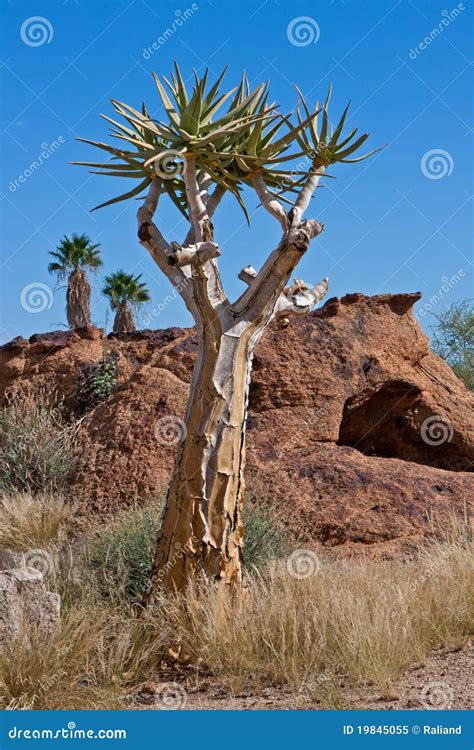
{"x": 386, "y": 422}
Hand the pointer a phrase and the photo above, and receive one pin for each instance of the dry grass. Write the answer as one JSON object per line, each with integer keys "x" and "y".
{"x": 37, "y": 447}
{"x": 28, "y": 521}
{"x": 92, "y": 661}
{"x": 363, "y": 623}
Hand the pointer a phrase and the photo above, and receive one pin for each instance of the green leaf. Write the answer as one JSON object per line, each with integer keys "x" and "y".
{"x": 167, "y": 103}
{"x": 339, "y": 127}
{"x": 136, "y": 190}
{"x": 353, "y": 147}
{"x": 361, "y": 158}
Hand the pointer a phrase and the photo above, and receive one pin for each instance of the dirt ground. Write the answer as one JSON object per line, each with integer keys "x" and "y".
{"x": 444, "y": 682}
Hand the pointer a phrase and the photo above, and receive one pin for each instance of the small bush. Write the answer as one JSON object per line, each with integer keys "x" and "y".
{"x": 37, "y": 448}
{"x": 96, "y": 381}
{"x": 120, "y": 554}
{"x": 263, "y": 539}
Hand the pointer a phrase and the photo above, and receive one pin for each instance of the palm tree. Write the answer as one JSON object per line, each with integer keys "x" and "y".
{"x": 73, "y": 258}
{"x": 125, "y": 292}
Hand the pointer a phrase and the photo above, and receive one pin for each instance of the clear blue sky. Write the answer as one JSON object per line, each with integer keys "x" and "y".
{"x": 389, "y": 227}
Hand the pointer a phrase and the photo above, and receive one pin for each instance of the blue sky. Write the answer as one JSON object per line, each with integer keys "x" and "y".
{"x": 399, "y": 222}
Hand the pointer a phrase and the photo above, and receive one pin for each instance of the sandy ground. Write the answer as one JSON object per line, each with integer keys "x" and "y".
{"x": 445, "y": 681}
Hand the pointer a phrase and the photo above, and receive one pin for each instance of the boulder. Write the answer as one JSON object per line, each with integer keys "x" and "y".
{"x": 25, "y": 604}
{"x": 356, "y": 431}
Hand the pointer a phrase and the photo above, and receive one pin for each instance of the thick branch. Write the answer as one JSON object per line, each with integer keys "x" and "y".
{"x": 211, "y": 202}
{"x": 298, "y": 299}
{"x": 154, "y": 242}
{"x": 265, "y": 289}
{"x": 306, "y": 192}
{"x": 195, "y": 197}
{"x": 208, "y": 293}
{"x": 268, "y": 201}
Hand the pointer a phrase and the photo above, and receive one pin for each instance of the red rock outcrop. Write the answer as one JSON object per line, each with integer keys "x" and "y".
{"x": 356, "y": 431}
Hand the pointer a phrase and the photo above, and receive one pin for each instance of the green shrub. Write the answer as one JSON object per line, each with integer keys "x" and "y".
{"x": 120, "y": 554}
{"x": 37, "y": 448}
{"x": 263, "y": 539}
{"x": 453, "y": 339}
{"x": 96, "y": 381}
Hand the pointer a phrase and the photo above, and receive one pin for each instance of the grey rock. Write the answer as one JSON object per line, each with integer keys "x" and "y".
{"x": 25, "y": 604}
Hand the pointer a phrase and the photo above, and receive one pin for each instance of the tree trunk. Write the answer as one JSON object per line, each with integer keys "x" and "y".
{"x": 202, "y": 529}
{"x": 78, "y": 298}
{"x": 202, "y": 532}
{"x": 124, "y": 321}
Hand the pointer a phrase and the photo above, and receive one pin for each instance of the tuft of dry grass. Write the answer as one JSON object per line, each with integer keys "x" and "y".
{"x": 91, "y": 661}
{"x": 37, "y": 447}
{"x": 366, "y": 622}
{"x": 28, "y": 521}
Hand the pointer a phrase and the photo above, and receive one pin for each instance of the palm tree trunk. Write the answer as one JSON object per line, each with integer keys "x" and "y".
{"x": 78, "y": 298}
{"x": 124, "y": 321}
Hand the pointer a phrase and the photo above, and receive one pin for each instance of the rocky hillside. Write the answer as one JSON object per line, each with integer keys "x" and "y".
{"x": 356, "y": 431}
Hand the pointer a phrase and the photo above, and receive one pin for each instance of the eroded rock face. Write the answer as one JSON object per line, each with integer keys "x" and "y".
{"x": 356, "y": 431}
{"x": 25, "y": 604}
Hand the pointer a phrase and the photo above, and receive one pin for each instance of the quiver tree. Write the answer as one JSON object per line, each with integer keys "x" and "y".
{"x": 126, "y": 293}
{"x": 201, "y": 152}
{"x": 73, "y": 258}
